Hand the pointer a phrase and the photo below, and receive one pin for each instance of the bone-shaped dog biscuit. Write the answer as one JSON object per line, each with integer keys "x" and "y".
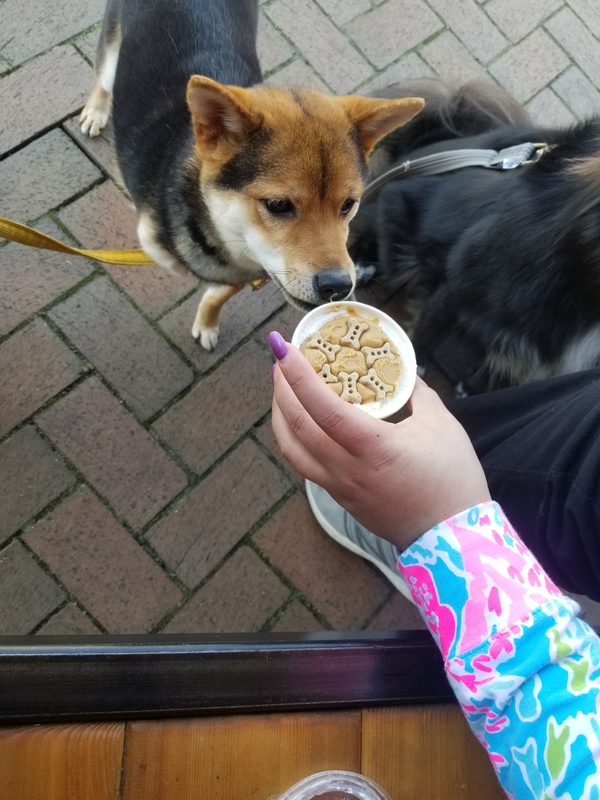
{"x": 380, "y": 388}
{"x": 355, "y": 358}
{"x": 352, "y": 337}
{"x": 327, "y": 374}
{"x": 324, "y": 346}
{"x": 349, "y": 391}
{"x": 373, "y": 353}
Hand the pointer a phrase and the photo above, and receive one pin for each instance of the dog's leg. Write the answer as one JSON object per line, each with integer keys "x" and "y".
{"x": 146, "y": 231}
{"x": 206, "y": 324}
{"x": 96, "y": 111}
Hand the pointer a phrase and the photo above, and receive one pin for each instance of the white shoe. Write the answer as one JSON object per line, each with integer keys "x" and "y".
{"x": 337, "y": 523}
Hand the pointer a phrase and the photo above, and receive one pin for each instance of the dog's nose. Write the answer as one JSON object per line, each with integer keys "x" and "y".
{"x": 332, "y": 284}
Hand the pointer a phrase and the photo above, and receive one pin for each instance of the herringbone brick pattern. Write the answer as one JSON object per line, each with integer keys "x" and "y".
{"x": 141, "y": 488}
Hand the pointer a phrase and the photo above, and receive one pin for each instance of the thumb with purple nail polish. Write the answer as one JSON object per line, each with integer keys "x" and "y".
{"x": 278, "y": 345}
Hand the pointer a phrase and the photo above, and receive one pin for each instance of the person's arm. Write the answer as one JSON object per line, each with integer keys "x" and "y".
{"x": 424, "y": 466}
{"x": 525, "y": 670}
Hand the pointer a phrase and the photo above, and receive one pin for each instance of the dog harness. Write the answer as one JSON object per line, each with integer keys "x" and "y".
{"x": 449, "y": 160}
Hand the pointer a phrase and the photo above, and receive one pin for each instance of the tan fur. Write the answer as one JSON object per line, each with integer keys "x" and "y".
{"x": 312, "y": 161}
{"x": 206, "y": 324}
{"x": 587, "y": 170}
{"x": 96, "y": 111}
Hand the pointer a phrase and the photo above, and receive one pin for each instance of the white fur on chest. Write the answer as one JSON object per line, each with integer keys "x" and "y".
{"x": 582, "y": 353}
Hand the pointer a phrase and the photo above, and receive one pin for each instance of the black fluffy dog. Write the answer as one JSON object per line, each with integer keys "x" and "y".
{"x": 508, "y": 261}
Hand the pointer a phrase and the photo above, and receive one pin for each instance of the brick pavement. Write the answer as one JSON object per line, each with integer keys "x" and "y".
{"x": 139, "y": 492}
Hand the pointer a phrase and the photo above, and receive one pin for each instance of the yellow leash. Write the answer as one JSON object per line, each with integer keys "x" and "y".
{"x": 16, "y": 232}
{"x": 23, "y": 234}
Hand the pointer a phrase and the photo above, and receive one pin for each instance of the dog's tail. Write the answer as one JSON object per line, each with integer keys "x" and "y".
{"x": 474, "y": 108}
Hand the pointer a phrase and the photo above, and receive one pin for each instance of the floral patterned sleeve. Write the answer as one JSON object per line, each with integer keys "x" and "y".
{"x": 524, "y": 668}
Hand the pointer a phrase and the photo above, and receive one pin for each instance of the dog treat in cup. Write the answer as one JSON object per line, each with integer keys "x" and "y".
{"x": 335, "y": 785}
{"x": 363, "y": 355}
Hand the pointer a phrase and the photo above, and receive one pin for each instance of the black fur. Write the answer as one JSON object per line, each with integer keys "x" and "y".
{"x": 509, "y": 260}
{"x": 216, "y": 39}
{"x": 153, "y": 130}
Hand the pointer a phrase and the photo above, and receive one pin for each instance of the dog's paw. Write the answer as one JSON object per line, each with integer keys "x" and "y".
{"x": 92, "y": 123}
{"x": 208, "y": 336}
{"x": 94, "y": 117}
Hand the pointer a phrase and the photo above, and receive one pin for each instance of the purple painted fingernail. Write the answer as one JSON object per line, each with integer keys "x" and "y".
{"x": 278, "y": 345}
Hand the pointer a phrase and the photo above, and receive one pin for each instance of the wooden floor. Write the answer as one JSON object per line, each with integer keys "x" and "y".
{"x": 424, "y": 752}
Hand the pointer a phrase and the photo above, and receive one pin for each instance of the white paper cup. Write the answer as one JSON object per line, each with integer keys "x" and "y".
{"x": 314, "y": 321}
{"x": 350, "y": 784}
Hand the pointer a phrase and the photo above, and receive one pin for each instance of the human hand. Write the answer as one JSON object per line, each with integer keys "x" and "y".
{"x": 398, "y": 480}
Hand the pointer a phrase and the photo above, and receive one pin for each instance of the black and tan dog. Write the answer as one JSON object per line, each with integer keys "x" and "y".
{"x": 232, "y": 182}
{"x": 505, "y": 262}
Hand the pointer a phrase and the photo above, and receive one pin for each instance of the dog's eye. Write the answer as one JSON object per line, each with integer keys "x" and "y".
{"x": 347, "y": 206}
{"x": 279, "y": 207}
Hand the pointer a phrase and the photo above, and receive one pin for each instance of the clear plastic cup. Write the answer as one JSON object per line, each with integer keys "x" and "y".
{"x": 335, "y": 785}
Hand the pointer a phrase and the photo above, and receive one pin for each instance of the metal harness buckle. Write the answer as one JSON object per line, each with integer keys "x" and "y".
{"x": 519, "y": 154}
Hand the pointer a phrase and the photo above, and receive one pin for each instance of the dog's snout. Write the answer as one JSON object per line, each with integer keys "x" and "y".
{"x": 332, "y": 284}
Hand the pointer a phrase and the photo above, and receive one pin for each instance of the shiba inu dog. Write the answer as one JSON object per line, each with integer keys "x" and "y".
{"x": 231, "y": 179}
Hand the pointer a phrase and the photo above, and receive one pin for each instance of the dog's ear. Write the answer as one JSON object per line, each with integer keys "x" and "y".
{"x": 221, "y": 115}
{"x": 374, "y": 118}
